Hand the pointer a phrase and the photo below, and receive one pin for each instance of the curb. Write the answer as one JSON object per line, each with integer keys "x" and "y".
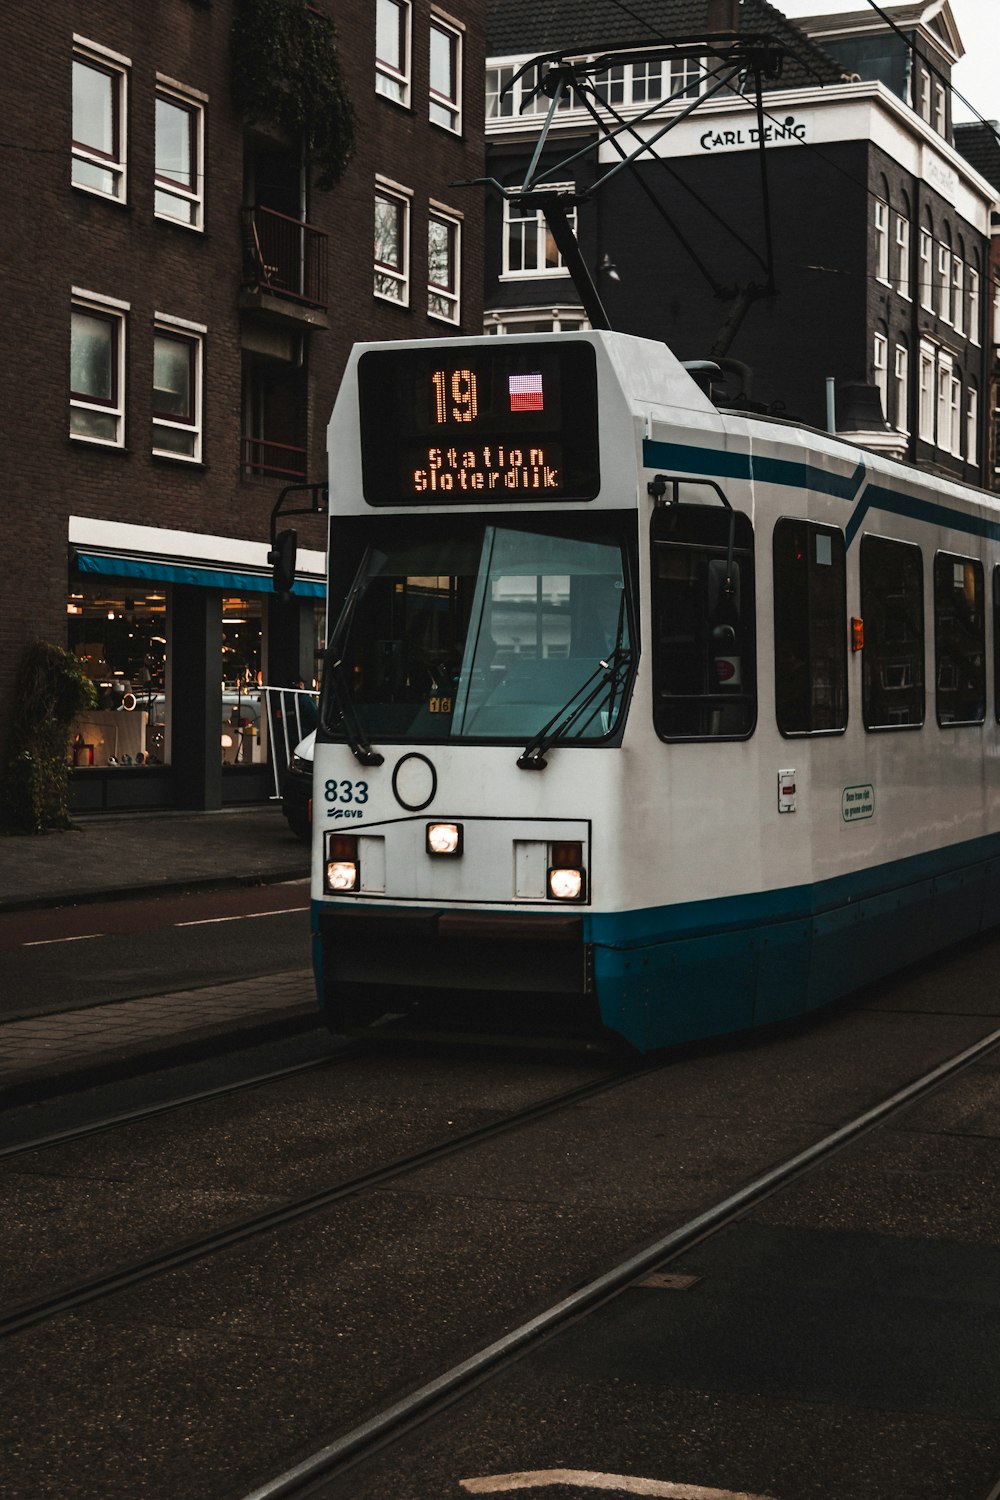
{"x": 90, "y": 896}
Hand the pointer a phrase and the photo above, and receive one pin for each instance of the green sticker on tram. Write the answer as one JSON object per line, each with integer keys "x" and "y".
{"x": 857, "y": 802}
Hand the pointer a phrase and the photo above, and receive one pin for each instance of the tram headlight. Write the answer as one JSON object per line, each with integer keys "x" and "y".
{"x": 444, "y": 838}
{"x": 567, "y": 879}
{"x": 343, "y": 870}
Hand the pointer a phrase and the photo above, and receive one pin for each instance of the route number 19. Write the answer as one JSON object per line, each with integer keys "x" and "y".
{"x": 456, "y": 397}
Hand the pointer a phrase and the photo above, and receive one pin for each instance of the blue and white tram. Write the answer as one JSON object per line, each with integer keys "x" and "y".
{"x": 638, "y": 714}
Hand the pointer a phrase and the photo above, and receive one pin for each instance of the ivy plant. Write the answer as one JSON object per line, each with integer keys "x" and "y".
{"x": 50, "y": 690}
{"x": 286, "y": 75}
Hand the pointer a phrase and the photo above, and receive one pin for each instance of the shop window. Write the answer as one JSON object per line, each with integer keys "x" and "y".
{"x": 810, "y": 628}
{"x": 892, "y": 607}
{"x": 177, "y": 387}
{"x": 704, "y": 649}
{"x": 180, "y": 132}
{"x": 959, "y": 640}
{"x": 445, "y": 104}
{"x": 243, "y": 735}
{"x": 99, "y": 121}
{"x": 97, "y": 371}
{"x": 120, "y": 640}
{"x": 392, "y": 238}
{"x": 392, "y": 50}
{"x": 443, "y": 266}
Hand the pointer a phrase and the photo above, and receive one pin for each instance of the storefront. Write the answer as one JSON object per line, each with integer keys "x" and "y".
{"x": 179, "y": 633}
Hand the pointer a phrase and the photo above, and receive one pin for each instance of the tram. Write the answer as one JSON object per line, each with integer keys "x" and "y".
{"x": 639, "y": 716}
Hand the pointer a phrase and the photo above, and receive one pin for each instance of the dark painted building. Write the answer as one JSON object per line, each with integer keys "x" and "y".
{"x": 880, "y": 228}
{"x": 181, "y": 296}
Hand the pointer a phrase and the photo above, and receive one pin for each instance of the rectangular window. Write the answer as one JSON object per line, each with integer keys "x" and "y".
{"x": 959, "y": 640}
{"x": 499, "y": 93}
{"x": 392, "y": 50}
{"x": 704, "y": 631}
{"x": 902, "y": 382}
{"x": 99, "y": 102}
{"x": 940, "y": 108}
{"x": 445, "y": 103}
{"x": 647, "y": 81}
{"x": 609, "y": 85}
{"x": 944, "y": 283}
{"x": 881, "y": 240}
{"x": 880, "y": 366}
{"x": 443, "y": 266}
{"x": 810, "y": 628}
{"x": 685, "y": 77}
{"x": 902, "y": 256}
{"x": 179, "y": 158}
{"x": 892, "y": 607}
{"x": 529, "y": 249}
{"x": 925, "y": 95}
{"x": 392, "y": 239}
{"x": 958, "y": 293}
{"x": 972, "y": 426}
{"x": 177, "y": 388}
{"x": 926, "y": 270}
{"x": 974, "y": 310}
{"x": 97, "y": 372}
{"x": 926, "y": 410}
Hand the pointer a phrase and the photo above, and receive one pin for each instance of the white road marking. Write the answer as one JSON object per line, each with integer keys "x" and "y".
{"x": 80, "y": 938}
{"x": 501, "y": 1484}
{"x": 243, "y": 917}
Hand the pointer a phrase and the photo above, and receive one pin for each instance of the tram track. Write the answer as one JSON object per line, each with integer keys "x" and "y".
{"x": 398, "y": 1417}
{"x": 71, "y": 1298}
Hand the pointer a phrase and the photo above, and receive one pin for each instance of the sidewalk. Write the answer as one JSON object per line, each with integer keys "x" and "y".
{"x": 125, "y": 856}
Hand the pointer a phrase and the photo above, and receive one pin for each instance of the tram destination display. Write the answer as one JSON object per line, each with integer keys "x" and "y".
{"x": 468, "y": 425}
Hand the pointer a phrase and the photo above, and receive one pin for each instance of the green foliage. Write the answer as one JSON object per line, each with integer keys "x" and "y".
{"x": 286, "y": 74}
{"x": 51, "y": 689}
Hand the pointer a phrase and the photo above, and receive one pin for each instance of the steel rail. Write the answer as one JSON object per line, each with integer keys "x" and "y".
{"x": 447, "y": 1387}
{"x": 27, "y": 1315}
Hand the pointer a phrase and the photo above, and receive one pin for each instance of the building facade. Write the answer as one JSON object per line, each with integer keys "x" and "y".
{"x": 879, "y": 228}
{"x": 181, "y": 298}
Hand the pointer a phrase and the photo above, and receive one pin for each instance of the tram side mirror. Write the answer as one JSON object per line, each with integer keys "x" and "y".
{"x": 282, "y": 560}
{"x": 723, "y": 592}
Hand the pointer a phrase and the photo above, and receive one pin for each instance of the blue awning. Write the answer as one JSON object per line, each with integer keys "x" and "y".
{"x": 157, "y": 570}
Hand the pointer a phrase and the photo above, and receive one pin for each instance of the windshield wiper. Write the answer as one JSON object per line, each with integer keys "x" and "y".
{"x": 353, "y": 733}
{"x": 610, "y": 673}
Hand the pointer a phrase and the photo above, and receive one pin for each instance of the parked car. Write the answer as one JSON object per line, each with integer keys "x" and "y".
{"x": 296, "y": 788}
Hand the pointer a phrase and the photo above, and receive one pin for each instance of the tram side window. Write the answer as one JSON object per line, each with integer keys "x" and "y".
{"x": 704, "y": 624}
{"x": 810, "y": 628}
{"x": 959, "y": 640}
{"x": 892, "y": 606}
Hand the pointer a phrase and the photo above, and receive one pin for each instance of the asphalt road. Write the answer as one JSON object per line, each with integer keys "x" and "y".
{"x": 75, "y": 956}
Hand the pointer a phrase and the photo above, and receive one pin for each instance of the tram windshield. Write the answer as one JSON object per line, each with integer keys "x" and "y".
{"x": 489, "y": 631}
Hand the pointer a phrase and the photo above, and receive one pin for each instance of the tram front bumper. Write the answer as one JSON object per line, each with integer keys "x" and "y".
{"x": 427, "y": 949}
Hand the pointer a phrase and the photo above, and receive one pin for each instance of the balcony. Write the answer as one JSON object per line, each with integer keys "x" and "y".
{"x": 267, "y": 460}
{"x": 285, "y": 265}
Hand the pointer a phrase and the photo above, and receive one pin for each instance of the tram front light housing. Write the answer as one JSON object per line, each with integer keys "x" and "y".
{"x": 567, "y": 879}
{"x": 444, "y": 839}
{"x": 343, "y": 868}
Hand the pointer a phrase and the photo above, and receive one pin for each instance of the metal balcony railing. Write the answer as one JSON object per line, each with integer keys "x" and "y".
{"x": 277, "y": 460}
{"x": 285, "y": 257}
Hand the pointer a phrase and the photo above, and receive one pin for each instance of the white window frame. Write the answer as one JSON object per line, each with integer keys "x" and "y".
{"x": 925, "y": 95}
{"x": 974, "y": 310}
{"x": 536, "y": 217}
{"x": 690, "y": 83}
{"x": 192, "y": 334}
{"x": 116, "y": 313}
{"x": 192, "y": 199}
{"x": 880, "y": 365}
{"x": 945, "y": 396}
{"x": 524, "y": 319}
{"x": 901, "y": 377}
{"x": 958, "y": 293}
{"x": 926, "y": 271}
{"x": 881, "y": 240}
{"x": 451, "y": 106}
{"x": 972, "y": 426}
{"x": 116, "y": 67}
{"x": 926, "y": 405}
{"x": 398, "y": 276}
{"x": 940, "y": 108}
{"x": 944, "y": 283}
{"x": 450, "y": 297}
{"x": 391, "y": 82}
{"x": 903, "y": 256}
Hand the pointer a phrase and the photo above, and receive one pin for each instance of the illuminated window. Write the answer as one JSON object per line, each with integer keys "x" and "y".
{"x": 445, "y": 105}
{"x": 179, "y": 158}
{"x": 529, "y": 248}
{"x": 119, "y": 634}
{"x": 177, "y": 385}
{"x": 392, "y": 234}
{"x": 97, "y": 370}
{"x": 392, "y": 50}
{"x": 99, "y": 134}
{"x": 443, "y": 266}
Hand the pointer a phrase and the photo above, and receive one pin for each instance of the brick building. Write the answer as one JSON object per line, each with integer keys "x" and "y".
{"x": 880, "y": 226}
{"x": 180, "y": 300}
